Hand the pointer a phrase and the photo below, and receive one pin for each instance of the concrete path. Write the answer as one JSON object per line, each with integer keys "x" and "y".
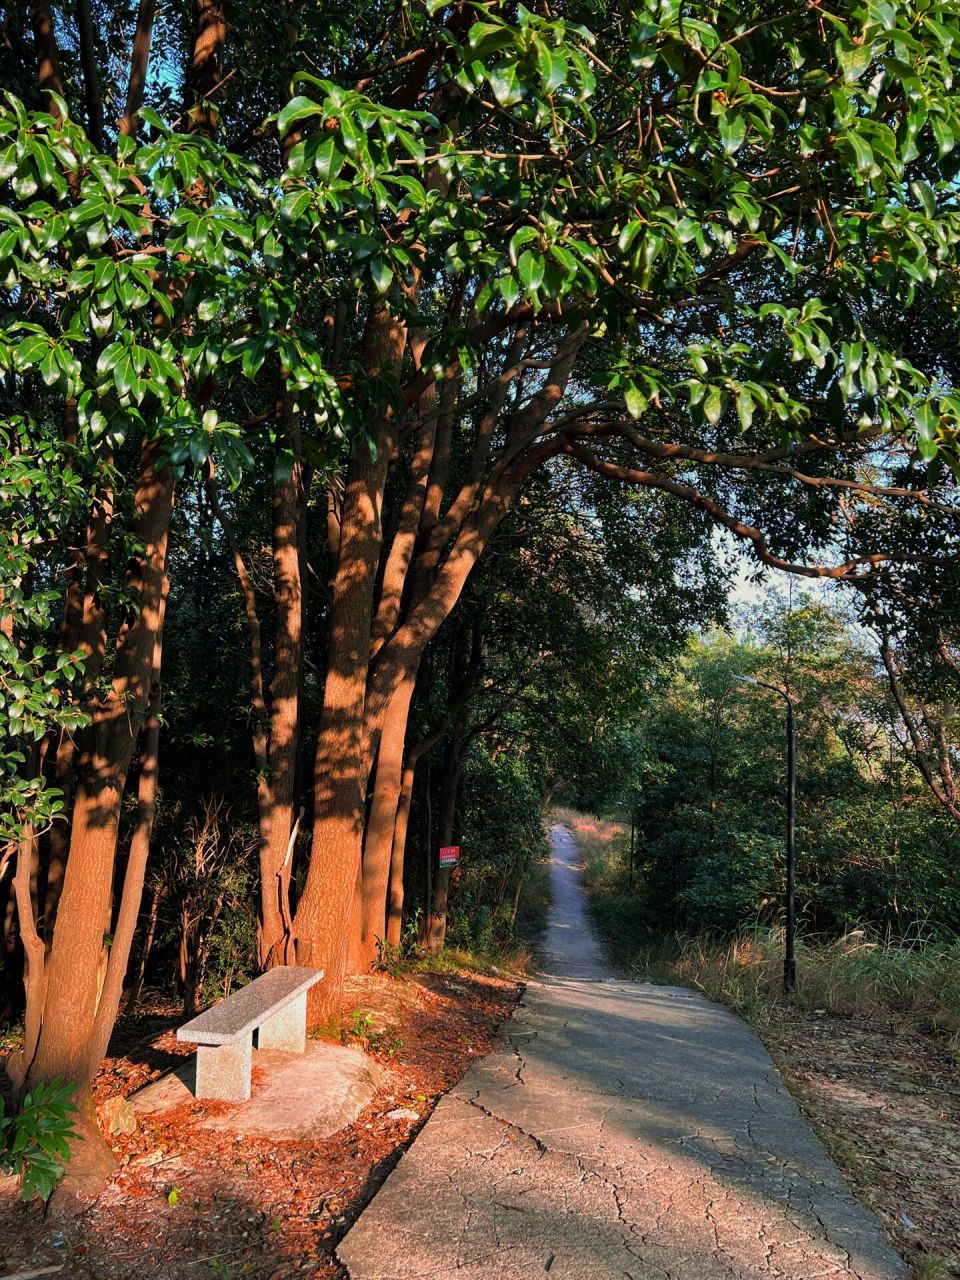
{"x": 622, "y": 1130}
{"x": 571, "y": 948}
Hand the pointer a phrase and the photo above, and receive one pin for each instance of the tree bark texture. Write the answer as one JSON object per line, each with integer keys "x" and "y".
{"x": 320, "y": 927}
{"x": 68, "y": 1035}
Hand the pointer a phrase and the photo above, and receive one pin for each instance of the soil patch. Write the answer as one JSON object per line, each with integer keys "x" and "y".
{"x": 886, "y": 1104}
{"x": 188, "y": 1203}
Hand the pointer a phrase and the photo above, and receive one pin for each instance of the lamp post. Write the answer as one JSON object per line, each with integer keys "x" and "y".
{"x": 789, "y": 959}
{"x": 633, "y": 839}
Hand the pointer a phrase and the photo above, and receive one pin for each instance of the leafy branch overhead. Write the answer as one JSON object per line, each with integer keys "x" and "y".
{"x": 631, "y": 177}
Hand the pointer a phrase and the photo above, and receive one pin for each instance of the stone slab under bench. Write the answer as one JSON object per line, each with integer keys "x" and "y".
{"x": 294, "y": 1097}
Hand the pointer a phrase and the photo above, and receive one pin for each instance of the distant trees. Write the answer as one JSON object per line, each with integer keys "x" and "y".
{"x": 544, "y": 661}
{"x": 874, "y": 847}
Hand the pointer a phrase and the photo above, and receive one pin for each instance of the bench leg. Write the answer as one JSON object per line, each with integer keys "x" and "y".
{"x": 286, "y": 1030}
{"x": 223, "y": 1071}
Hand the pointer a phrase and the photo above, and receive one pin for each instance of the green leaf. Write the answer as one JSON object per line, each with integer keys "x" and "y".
{"x": 745, "y": 407}
{"x": 124, "y": 375}
{"x": 552, "y": 68}
{"x": 505, "y": 84}
{"x": 268, "y": 308}
{"x": 296, "y": 203}
{"x": 519, "y": 238}
{"x": 381, "y": 274}
{"x": 923, "y": 192}
{"x": 49, "y": 367}
{"x": 854, "y": 59}
{"x": 636, "y": 401}
{"x": 531, "y": 267}
{"x": 299, "y": 108}
{"x": 485, "y": 38}
{"x": 713, "y": 405}
{"x": 328, "y": 161}
{"x": 629, "y": 234}
{"x": 733, "y": 131}
{"x": 208, "y": 308}
{"x": 862, "y": 152}
{"x": 943, "y": 132}
{"x": 200, "y": 444}
{"x": 32, "y": 350}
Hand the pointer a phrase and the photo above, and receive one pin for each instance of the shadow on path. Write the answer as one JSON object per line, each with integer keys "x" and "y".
{"x": 622, "y": 1130}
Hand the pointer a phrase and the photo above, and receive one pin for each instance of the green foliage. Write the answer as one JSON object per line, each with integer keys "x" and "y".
{"x": 384, "y": 1039}
{"x": 35, "y": 1140}
{"x": 709, "y": 789}
{"x": 41, "y": 490}
{"x": 502, "y": 836}
{"x": 909, "y": 979}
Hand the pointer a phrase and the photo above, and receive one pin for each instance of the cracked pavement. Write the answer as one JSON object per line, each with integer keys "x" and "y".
{"x": 621, "y": 1130}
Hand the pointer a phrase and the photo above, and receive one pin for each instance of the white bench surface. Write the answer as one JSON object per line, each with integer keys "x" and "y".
{"x": 250, "y": 1006}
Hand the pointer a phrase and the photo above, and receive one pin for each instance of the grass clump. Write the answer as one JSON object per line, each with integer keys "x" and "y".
{"x": 602, "y": 843}
{"x": 914, "y": 981}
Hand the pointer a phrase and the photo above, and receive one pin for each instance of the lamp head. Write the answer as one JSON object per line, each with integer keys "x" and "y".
{"x": 747, "y": 679}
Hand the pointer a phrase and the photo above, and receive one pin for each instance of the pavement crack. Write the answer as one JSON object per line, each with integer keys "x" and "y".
{"x": 518, "y": 1074}
{"x": 541, "y": 1146}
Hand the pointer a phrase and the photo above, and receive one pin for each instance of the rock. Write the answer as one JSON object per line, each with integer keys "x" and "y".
{"x": 299, "y": 1097}
{"x": 169, "y": 1091}
{"x": 403, "y": 1113}
{"x": 118, "y": 1116}
{"x": 296, "y": 1097}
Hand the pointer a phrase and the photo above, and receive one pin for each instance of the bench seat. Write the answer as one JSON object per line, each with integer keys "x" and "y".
{"x": 274, "y": 1005}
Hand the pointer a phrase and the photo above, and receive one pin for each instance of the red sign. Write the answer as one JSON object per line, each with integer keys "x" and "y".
{"x": 450, "y": 855}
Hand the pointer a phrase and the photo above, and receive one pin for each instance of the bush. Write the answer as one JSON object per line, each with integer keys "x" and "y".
{"x": 34, "y": 1143}
{"x": 501, "y": 892}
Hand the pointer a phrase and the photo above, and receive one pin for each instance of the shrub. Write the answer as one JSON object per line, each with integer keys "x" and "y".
{"x": 34, "y": 1142}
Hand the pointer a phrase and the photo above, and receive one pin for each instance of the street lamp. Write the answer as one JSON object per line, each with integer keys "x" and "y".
{"x": 633, "y": 837}
{"x": 789, "y": 960}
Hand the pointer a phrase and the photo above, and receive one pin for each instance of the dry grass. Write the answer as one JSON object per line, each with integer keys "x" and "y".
{"x": 594, "y": 836}
{"x": 915, "y": 983}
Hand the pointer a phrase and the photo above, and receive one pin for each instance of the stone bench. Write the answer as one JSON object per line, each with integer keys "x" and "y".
{"x": 274, "y": 1005}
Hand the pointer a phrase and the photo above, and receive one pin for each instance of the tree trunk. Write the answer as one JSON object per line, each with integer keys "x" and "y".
{"x": 397, "y": 859}
{"x": 276, "y": 858}
{"x": 67, "y": 1040}
{"x": 449, "y": 785}
{"x": 426, "y": 836}
{"x": 84, "y": 628}
{"x": 378, "y": 844}
{"x": 136, "y": 870}
{"x": 341, "y": 769}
